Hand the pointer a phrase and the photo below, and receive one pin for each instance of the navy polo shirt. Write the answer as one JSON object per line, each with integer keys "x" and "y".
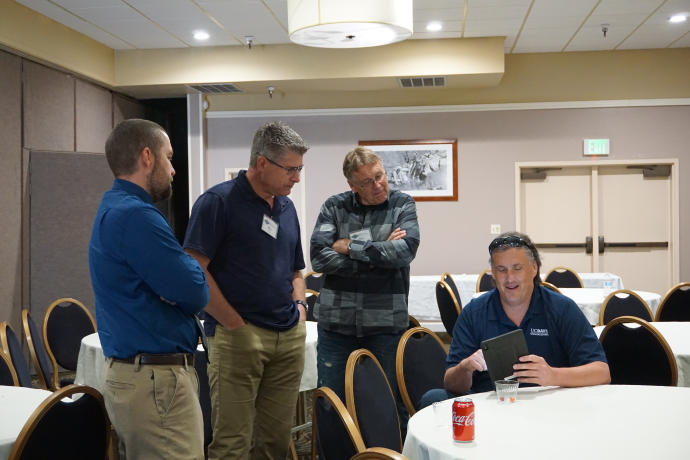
{"x": 134, "y": 260}
{"x": 252, "y": 269}
{"x": 554, "y": 326}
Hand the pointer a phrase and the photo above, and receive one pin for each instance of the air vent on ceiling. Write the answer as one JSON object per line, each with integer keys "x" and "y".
{"x": 220, "y": 88}
{"x": 422, "y": 82}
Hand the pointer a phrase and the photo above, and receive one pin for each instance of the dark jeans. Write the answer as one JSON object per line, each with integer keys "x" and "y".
{"x": 433, "y": 396}
{"x": 333, "y": 349}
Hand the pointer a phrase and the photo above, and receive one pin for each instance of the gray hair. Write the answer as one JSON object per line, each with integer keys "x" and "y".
{"x": 127, "y": 140}
{"x": 360, "y": 156}
{"x": 274, "y": 141}
{"x": 531, "y": 251}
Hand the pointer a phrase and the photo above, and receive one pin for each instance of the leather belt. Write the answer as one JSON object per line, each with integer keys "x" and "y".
{"x": 178, "y": 359}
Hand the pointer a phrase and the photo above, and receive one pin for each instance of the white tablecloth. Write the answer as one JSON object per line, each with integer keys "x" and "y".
{"x": 604, "y": 422}
{"x": 16, "y": 406}
{"x": 678, "y": 337}
{"x": 90, "y": 364}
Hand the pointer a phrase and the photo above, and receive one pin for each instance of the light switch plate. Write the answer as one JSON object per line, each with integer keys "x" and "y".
{"x": 495, "y": 229}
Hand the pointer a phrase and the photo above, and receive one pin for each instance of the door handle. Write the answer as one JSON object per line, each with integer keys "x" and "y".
{"x": 587, "y": 245}
{"x": 646, "y": 244}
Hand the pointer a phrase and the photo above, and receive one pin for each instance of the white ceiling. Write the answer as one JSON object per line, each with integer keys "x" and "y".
{"x": 530, "y": 26}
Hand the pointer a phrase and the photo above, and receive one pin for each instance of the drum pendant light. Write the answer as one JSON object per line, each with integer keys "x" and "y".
{"x": 349, "y": 23}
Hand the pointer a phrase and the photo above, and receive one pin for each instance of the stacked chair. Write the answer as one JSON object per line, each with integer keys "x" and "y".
{"x": 13, "y": 350}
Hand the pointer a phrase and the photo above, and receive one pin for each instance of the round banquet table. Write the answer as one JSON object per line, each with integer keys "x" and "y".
{"x": 91, "y": 359}
{"x": 590, "y": 300}
{"x": 16, "y": 406}
{"x": 603, "y": 422}
{"x": 678, "y": 337}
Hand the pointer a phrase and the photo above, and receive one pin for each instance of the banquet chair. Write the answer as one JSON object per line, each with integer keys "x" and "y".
{"x": 371, "y": 402}
{"x": 675, "y": 306}
{"x": 13, "y": 350}
{"x": 564, "y": 277}
{"x": 485, "y": 282}
{"x": 631, "y": 305}
{"x": 70, "y": 429}
{"x": 8, "y": 377}
{"x": 39, "y": 356}
{"x": 551, "y": 286}
{"x": 638, "y": 355}
{"x": 312, "y": 296}
{"x": 448, "y": 279}
{"x": 448, "y": 306}
{"x": 420, "y": 365}
{"x": 379, "y": 453}
{"x": 67, "y": 321}
{"x": 413, "y": 322}
{"x": 334, "y": 434}
{"x": 314, "y": 281}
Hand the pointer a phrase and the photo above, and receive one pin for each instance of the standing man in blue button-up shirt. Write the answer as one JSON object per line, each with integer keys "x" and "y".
{"x": 147, "y": 293}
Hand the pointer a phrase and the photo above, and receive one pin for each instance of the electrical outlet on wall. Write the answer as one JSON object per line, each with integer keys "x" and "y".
{"x": 495, "y": 229}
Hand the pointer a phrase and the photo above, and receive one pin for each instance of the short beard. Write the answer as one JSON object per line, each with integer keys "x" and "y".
{"x": 160, "y": 195}
{"x": 159, "y": 191}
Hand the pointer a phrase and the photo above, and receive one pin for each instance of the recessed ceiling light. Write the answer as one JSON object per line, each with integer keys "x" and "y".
{"x": 434, "y": 26}
{"x": 678, "y": 18}
{"x": 201, "y": 35}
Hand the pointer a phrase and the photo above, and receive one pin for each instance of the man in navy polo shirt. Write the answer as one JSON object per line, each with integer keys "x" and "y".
{"x": 564, "y": 351}
{"x": 246, "y": 236}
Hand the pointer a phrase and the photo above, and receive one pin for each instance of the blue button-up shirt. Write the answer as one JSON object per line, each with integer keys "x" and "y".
{"x": 135, "y": 260}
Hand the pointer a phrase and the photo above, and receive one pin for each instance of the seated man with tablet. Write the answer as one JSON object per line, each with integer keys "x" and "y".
{"x": 563, "y": 349}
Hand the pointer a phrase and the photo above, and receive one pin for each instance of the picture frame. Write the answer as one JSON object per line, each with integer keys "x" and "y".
{"x": 427, "y": 170}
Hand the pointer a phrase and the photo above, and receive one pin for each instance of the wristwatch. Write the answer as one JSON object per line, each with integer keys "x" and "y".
{"x": 349, "y": 246}
{"x": 304, "y": 304}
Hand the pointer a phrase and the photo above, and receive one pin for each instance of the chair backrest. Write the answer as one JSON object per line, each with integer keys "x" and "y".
{"x": 675, "y": 306}
{"x": 379, "y": 453}
{"x": 312, "y": 296}
{"x": 420, "y": 365}
{"x": 13, "y": 349}
{"x": 314, "y": 281}
{"x": 67, "y": 321}
{"x": 448, "y": 279}
{"x": 370, "y": 401}
{"x": 68, "y": 429}
{"x": 485, "y": 282}
{"x": 200, "y": 365}
{"x": 448, "y": 306}
{"x": 551, "y": 286}
{"x": 7, "y": 375}
{"x": 564, "y": 277}
{"x": 624, "y": 303}
{"x": 333, "y": 431}
{"x": 638, "y": 355}
{"x": 39, "y": 356}
{"x": 413, "y": 322}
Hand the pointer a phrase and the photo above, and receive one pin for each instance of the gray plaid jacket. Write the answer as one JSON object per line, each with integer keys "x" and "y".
{"x": 366, "y": 292}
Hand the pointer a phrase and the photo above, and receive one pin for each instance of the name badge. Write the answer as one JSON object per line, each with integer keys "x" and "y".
{"x": 269, "y": 226}
{"x": 361, "y": 235}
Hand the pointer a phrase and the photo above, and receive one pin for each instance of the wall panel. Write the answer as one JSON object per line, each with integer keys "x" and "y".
{"x": 94, "y": 107}
{"x": 125, "y": 108}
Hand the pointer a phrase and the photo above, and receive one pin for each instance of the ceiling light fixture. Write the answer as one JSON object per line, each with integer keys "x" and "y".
{"x": 677, "y": 18}
{"x": 201, "y": 35}
{"x": 349, "y": 24}
{"x": 249, "y": 39}
{"x": 434, "y": 26}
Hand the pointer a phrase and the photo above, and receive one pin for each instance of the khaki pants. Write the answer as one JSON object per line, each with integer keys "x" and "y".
{"x": 155, "y": 410}
{"x": 254, "y": 376}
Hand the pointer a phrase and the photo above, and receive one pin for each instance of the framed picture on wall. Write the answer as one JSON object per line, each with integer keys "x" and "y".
{"x": 427, "y": 170}
{"x": 232, "y": 173}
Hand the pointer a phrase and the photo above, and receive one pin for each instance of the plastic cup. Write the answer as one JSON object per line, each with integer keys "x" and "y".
{"x": 442, "y": 413}
{"x": 506, "y": 390}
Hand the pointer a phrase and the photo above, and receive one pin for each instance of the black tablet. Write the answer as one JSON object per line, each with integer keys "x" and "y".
{"x": 502, "y": 352}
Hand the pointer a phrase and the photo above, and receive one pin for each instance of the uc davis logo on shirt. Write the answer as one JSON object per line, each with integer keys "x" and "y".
{"x": 539, "y": 332}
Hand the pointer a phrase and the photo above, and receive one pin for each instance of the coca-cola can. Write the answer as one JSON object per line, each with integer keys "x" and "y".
{"x": 463, "y": 420}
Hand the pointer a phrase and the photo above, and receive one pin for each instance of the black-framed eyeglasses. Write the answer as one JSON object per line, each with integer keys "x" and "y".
{"x": 370, "y": 183}
{"x": 290, "y": 171}
{"x": 512, "y": 241}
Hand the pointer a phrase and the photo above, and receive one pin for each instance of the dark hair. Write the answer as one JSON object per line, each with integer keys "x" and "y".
{"x": 510, "y": 240}
{"x": 273, "y": 140}
{"x": 127, "y": 140}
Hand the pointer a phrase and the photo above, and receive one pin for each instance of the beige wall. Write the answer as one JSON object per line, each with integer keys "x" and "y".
{"x": 455, "y": 234}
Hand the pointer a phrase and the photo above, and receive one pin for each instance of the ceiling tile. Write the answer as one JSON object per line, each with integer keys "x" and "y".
{"x": 616, "y": 20}
{"x": 590, "y": 46}
{"x": 185, "y": 30}
{"x": 279, "y": 9}
{"x": 71, "y": 4}
{"x": 553, "y": 22}
{"x": 537, "y": 49}
{"x": 448, "y": 26}
{"x": 628, "y": 7}
{"x": 487, "y": 3}
{"x": 663, "y": 18}
{"x": 555, "y": 8}
{"x": 187, "y": 11}
{"x": 594, "y": 34}
{"x": 241, "y": 14}
{"x": 509, "y": 34}
{"x": 108, "y": 13}
{"x": 498, "y": 12}
{"x": 142, "y": 34}
{"x": 669, "y": 29}
{"x": 426, "y": 4}
{"x": 435, "y": 35}
{"x": 140, "y": 3}
{"x": 649, "y": 42}
{"x": 493, "y": 24}
{"x": 441, "y": 14}
{"x": 548, "y": 34}
{"x": 683, "y": 42}
{"x": 675, "y": 6}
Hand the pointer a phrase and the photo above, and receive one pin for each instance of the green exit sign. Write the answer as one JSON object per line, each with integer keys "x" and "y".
{"x": 596, "y": 147}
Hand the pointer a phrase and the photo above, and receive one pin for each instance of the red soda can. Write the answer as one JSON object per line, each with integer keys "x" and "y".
{"x": 463, "y": 420}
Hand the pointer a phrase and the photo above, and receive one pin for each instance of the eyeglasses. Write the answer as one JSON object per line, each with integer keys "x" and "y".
{"x": 290, "y": 171}
{"x": 370, "y": 183}
{"x": 512, "y": 241}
